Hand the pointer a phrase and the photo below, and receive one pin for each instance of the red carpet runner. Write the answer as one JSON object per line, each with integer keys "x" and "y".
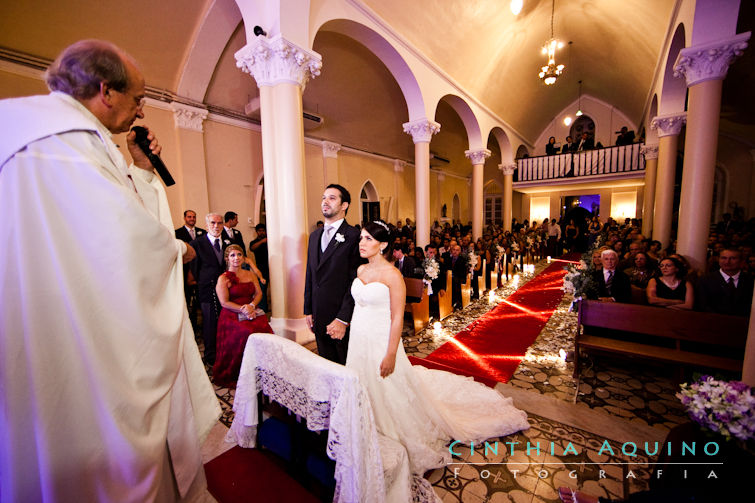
{"x": 490, "y": 348}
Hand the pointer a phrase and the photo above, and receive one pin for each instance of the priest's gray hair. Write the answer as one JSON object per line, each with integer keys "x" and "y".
{"x": 80, "y": 69}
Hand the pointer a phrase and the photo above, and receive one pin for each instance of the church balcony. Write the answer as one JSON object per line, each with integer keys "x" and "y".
{"x": 600, "y": 165}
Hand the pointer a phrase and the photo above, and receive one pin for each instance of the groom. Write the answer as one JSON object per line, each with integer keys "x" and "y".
{"x": 332, "y": 261}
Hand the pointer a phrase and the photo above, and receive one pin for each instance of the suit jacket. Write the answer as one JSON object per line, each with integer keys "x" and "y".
{"x": 589, "y": 144}
{"x": 569, "y": 147}
{"x": 714, "y": 295}
{"x": 621, "y": 287}
{"x": 327, "y": 287}
{"x": 206, "y": 268}
{"x": 183, "y": 234}
{"x": 236, "y": 239}
{"x": 408, "y": 267}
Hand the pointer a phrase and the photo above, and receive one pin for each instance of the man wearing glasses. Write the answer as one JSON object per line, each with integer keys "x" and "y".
{"x": 103, "y": 396}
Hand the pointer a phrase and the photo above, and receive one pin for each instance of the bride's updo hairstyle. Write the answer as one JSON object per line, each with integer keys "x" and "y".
{"x": 380, "y": 232}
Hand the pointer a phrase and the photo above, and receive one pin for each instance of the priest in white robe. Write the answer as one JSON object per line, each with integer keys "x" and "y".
{"x": 103, "y": 395}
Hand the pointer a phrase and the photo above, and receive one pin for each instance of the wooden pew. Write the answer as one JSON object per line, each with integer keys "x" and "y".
{"x": 698, "y": 339}
{"x": 492, "y": 278}
{"x": 445, "y": 304}
{"x": 466, "y": 292}
{"x": 420, "y": 311}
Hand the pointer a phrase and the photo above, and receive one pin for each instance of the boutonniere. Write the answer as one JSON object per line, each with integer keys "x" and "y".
{"x": 199, "y": 233}
{"x": 226, "y": 241}
{"x": 340, "y": 238}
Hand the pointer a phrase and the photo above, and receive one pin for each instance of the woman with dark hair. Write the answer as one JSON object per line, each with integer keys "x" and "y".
{"x": 671, "y": 289}
{"x": 420, "y": 408}
{"x": 550, "y": 147}
{"x": 239, "y": 294}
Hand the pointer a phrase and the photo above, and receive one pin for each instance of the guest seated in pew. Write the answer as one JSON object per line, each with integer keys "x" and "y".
{"x": 671, "y": 289}
{"x": 728, "y": 290}
{"x": 459, "y": 270}
{"x": 640, "y": 273}
{"x": 613, "y": 285}
{"x": 239, "y": 294}
{"x": 404, "y": 262}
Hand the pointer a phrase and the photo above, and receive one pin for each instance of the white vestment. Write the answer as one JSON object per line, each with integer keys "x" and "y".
{"x": 99, "y": 370}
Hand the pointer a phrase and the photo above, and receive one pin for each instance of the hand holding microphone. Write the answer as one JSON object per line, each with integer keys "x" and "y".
{"x": 141, "y": 139}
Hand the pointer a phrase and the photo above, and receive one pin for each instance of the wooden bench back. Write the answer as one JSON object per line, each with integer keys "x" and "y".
{"x": 414, "y": 287}
{"x": 711, "y": 328}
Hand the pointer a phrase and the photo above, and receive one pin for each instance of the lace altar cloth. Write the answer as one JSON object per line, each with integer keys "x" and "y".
{"x": 327, "y": 395}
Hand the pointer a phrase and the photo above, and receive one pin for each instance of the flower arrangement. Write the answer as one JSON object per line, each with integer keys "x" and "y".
{"x": 514, "y": 246}
{"x": 431, "y": 269}
{"x": 726, "y": 407}
{"x": 498, "y": 253}
{"x": 578, "y": 280}
{"x": 472, "y": 260}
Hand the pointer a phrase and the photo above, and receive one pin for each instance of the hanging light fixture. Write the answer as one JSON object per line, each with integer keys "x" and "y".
{"x": 579, "y": 103}
{"x": 550, "y": 72}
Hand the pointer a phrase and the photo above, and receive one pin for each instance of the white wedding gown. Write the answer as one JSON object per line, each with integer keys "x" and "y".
{"x": 422, "y": 409}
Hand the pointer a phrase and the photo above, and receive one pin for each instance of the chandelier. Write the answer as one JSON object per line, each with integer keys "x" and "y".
{"x": 550, "y": 72}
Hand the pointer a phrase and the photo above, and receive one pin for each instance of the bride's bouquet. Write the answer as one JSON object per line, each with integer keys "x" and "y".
{"x": 431, "y": 269}
{"x": 726, "y": 407}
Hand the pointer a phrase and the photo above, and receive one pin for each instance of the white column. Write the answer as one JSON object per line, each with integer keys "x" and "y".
{"x": 189, "y": 133}
{"x": 508, "y": 193}
{"x": 668, "y": 126}
{"x": 282, "y": 70}
{"x": 398, "y": 183}
{"x": 648, "y": 201}
{"x": 422, "y": 131}
{"x": 330, "y": 162}
{"x": 478, "y": 166}
{"x": 704, "y": 67}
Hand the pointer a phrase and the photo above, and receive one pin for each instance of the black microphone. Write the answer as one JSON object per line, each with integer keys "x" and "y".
{"x": 143, "y": 142}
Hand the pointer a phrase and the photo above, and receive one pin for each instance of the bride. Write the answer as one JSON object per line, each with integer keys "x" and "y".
{"x": 420, "y": 408}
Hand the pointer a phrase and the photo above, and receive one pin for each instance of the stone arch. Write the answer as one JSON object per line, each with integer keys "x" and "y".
{"x": 504, "y": 144}
{"x": 369, "y": 202}
{"x": 651, "y": 135}
{"x": 674, "y": 89}
{"x": 390, "y": 57}
{"x": 468, "y": 118}
{"x": 522, "y": 152}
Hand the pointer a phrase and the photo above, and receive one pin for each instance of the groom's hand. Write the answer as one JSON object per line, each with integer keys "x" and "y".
{"x": 336, "y": 330}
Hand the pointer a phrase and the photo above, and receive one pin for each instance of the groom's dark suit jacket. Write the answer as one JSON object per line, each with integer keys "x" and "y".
{"x": 205, "y": 267}
{"x": 327, "y": 288}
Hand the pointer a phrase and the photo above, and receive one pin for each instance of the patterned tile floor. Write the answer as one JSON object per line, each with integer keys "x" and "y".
{"x": 616, "y": 395}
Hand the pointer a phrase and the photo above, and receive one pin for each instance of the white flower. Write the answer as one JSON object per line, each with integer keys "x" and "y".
{"x": 226, "y": 241}
{"x": 340, "y": 238}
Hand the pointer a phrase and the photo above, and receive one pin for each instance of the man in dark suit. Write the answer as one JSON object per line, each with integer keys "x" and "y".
{"x": 188, "y": 233}
{"x": 569, "y": 146}
{"x": 332, "y": 261}
{"x": 230, "y": 233}
{"x": 459, "y": 270}
{"x": 728, "y": 290}
{"x": 403, "y": 262}
{"x": 206, "y": 268}
{"x": 586, "y": 143}
{"x": 613, "y": 285}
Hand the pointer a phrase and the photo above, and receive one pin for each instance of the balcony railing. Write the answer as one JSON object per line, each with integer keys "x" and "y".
{"x": 604, "y": 161}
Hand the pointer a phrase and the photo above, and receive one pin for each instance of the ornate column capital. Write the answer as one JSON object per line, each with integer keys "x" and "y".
{"x": 422, "y": 130}
{"x": 477, "y": 156}
{"x": 669, "y": 124}
{"x": 188, "y": 117}
{"x": 649, "y": 151}
{"x": 507, "y": 169}
{"x": 330, "y": 149}
{"x": 398, "y": 165}
{"x": 275, "y": 60}
{"x": 709, "y": 61}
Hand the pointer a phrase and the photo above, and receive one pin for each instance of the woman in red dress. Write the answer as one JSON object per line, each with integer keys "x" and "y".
{"x": 239, "y": 293}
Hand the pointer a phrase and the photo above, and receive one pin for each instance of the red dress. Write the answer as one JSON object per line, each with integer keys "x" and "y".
{"x": 232, "y": 334}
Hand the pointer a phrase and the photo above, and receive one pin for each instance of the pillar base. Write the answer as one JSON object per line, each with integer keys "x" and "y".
{"x": 295, "y": 329}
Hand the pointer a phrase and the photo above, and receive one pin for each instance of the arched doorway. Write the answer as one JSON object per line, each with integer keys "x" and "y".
{"x": 456, "y": 209}
{"x": 370, "y": 203}
{"x": 493, "y": 208}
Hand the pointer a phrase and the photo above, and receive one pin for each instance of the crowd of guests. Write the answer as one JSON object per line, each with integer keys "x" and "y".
{"x": 628, "y": 267}
{"x": 229, "y": 287}
{"x": 586, "y": 142}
